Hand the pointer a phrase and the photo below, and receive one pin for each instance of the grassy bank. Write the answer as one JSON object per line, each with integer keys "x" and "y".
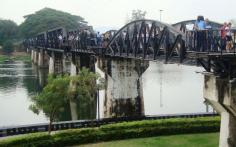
{"x": 125, "y": 130}
{"x": 15, "y": 57}
{"x": 190, "y": 140}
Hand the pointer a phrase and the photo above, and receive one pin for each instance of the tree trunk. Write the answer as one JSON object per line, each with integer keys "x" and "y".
{"x": 50, "y": 127}
{"x": 73, "y": 109}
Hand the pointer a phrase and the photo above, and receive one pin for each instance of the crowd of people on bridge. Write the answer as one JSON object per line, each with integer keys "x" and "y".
{"x": 207, "y": 38}
{"x": 84, "y": 38}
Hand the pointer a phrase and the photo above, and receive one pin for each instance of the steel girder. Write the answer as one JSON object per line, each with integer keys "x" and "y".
{"x": 146, "y": 39}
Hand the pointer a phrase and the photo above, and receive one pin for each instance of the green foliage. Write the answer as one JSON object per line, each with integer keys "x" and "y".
{"x": 24, "y": 58}
{"x": 85, "y": 84}
{"x": 53, "y": 97}
{"x": 83, "y": 88}
{"x": 3, "y": 58}
{"x": 7, "y": 47}
{"x": 56, "y": 95}
{"x": 28, "y": 140}
{"x": 46, "y": 19}
{"x": 125, "y": 130}
{"x": 8, "y": 30}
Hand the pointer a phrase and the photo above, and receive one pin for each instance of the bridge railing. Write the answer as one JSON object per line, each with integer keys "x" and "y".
{"x": 211, "y": 41}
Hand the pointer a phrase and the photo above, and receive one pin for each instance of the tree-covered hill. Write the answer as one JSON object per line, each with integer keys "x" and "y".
{"x": 46, "y": 19}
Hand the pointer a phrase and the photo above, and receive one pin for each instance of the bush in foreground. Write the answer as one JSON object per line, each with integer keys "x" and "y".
{"x": 125, "y": 130}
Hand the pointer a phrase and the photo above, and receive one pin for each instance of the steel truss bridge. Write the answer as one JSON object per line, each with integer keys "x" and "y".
{"x": 146, "y": 40}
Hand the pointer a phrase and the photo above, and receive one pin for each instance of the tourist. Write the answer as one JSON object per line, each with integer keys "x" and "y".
{"x": 207, "y": 24}
{"x": 76, "y": 39}
{"x": 98, "y": 38}
{"x": 223, "y": 36}
{"x": 200, "y": 27}
{"x": 70, "y": 38}
{"x": 229, "y": 43}
{"x": 60, "y": 39}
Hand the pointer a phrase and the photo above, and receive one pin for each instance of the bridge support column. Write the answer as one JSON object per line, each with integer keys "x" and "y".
{"x": 51, "y": 63}
{"x": 42, "y": 76}
{"x": 56, "y": 63}
{"x": 221, "y": 94}
{"x": 81, "y": 109}
{"x": 123, "y": 92}
{"x": 42, "y": 59}
{"x": 32, "y": 55}
{"x": 73, "y": 101}
{"x": 35, "y": 57}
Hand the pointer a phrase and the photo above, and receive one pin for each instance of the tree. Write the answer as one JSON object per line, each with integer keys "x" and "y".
{"x": 83, "y": 93}
{"x": 8, "y": 30}
{"x": 58, "y": 92}
{"x": 8, "y": 35}
{"x": 52, "y": 99}
{"x": 85, "y": 83}
{"x": 136, "y": 15}
{"x": 46, "y": 19}
{"x": 7, "y": 47}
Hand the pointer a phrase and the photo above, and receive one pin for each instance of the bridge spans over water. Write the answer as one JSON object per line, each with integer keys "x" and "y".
{"x": 126, "y": 55}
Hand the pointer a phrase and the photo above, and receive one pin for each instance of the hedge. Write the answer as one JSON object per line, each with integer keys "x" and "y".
{"x": 124, "y": 130}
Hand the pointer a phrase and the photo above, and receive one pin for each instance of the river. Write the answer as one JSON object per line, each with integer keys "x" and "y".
{"x": 167, "y": 88}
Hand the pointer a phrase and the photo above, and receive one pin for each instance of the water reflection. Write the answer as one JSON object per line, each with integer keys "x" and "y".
{"x": 17, "y": 82}
{"x": 172, "y": 88}
{"x": 167, "y": 88}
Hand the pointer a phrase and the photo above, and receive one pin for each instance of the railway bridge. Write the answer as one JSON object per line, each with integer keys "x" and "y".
{"x": 125, "y": 54}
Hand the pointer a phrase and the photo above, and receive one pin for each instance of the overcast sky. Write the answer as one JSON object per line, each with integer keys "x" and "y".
{"x": 113, "y": 13}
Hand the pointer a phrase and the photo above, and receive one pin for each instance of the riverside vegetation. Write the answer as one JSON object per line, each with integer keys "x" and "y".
{"x": 111, "y": 132}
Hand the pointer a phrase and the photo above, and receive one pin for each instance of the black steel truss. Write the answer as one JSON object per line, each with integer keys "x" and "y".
{"x": 146, "y": 39}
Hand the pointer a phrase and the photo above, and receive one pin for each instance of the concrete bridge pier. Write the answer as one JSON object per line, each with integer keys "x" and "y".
{"x": 79, "y": 61}
{"x": 35, "y": 56}
{"x": 123, "y": 91}
{"x": 32, "y": 55}
{"x": 81, "y": 109}
{"x": 42, "y": 76}
{"x": 75, "y": 64}
{"x": 221, "y": 94}
{"x": 42, "y": 59}
{"x": 57, "y": 63}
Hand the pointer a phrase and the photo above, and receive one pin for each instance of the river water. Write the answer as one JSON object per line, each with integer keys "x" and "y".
{"x": 167, "y": 88}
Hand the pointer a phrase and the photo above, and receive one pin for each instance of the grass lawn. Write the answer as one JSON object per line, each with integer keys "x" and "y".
{"x": 191, "y": 140}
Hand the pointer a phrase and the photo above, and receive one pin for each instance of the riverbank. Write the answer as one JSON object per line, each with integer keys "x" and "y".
{"x": 16, "y": 56}
{"x": 118, "y": 131}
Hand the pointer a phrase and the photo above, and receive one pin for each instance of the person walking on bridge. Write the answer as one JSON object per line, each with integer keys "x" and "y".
{"x": 60, "y": 39}
{"x": 229, "y": 43}
{"x": 200, "y": 27}
{"x": 223, "y": 36}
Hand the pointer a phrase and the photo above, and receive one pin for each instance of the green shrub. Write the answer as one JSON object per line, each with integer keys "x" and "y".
{"x": 7, "y": 47}
{"x": 28, "y": 140}
{"x": 124, "y": 130}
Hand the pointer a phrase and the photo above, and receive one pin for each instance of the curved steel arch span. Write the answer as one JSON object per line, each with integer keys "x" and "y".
{"x": 146, "y": 39}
